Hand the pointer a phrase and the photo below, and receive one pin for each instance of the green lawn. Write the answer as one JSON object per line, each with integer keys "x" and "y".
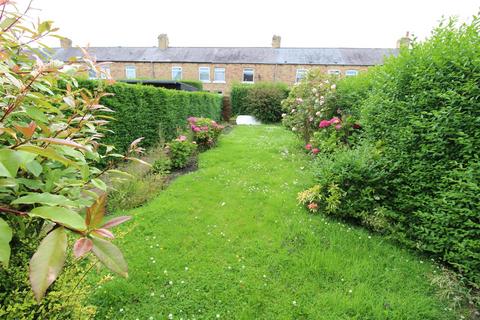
{"x": 229, "y": 241}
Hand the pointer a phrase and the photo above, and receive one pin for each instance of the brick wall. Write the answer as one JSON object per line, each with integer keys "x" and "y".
{"x": 233, "y": 72}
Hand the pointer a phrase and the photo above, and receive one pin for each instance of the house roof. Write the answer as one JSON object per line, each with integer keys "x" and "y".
{"x": 244, "y": 55}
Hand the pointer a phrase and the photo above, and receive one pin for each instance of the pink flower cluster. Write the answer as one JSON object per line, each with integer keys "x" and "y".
{"x": 327, "y": 123}
{"x": 193, "y": 125}
{"x": 309, "y": 147}
{"x": 182, "y": 138}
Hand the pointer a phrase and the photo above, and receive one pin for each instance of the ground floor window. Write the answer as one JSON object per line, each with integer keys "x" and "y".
{"x": 204, "y": 74}
{"x": 301, "y": 73}
{"x": 248, "y": 75}
{"x": 176, "y": 73}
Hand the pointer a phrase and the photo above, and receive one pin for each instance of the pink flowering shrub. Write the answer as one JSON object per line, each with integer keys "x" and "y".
{"x": 181, "y": 152}
{"x": 309, "y": 102}
{"x": 205, "y": 132}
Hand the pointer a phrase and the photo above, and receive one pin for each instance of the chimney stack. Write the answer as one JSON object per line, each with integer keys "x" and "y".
{"x": 163, "y": 41}
{"x": 65, "y": 43}
{"x": 404, "y": 42}
{"x": 276, "y": 41}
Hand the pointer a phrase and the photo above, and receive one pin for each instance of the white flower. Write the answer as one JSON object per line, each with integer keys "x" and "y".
{"x": 218, "y": 316}
{"x": 170, "y": 282}
{"x": 314, "y": 90}
{"x": 350, "y": 291}
{"x": 322, "y": 102}
{"x": 318, "y": 113}
{"x": 284, "y": 115}
{"x": 293, "y": 110}
{"x": 333, "y": 86}
{"x": 294, "y": 302}
{"x": 294, "y": 129}
{"x": 170, "y": 316}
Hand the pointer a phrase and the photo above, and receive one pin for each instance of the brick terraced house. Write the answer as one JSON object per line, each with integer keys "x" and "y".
{"x": 219, "y": 67}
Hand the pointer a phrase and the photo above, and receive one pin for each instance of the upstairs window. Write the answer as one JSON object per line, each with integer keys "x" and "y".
{"x": 219, "y": 75}
{"x": 351, "y": 73}
{"x": 130, "y": 72}
{"x": 204, "y": 74}
{"x": 248, "y": 75}
{"x": 334, "y": 72}
{"x": 176, "y": 73}
{"x": 301, "y": 73}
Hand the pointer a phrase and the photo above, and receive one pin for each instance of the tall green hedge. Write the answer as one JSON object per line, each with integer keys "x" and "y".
{"x": 150, "y": 112}
{"x": 261, "y": 100}
{"x": 416, "y": 172}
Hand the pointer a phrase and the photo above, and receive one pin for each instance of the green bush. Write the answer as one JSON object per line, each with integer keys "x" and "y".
{"x": 421, "y": 180}
{"x": 263, "y": 100}
{"x": 153, "y": 113}
{"x": 194, "y": 83}
{"x": 65, "y": 300}
{"x": 181, "y": 151}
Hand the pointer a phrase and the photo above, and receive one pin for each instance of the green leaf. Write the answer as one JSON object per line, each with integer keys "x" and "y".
{"x": 5, "y": 237}
{"x": 34, "y": 167}
{"x": 44, "y": 198}
{"x": 110, "y": 256}
{"x": 47, "y": 262}
{"x": 48, "y": 152}
{"x": 99, "y": 184}
{"x": 36, "y": 114}
{"x": 60, "y": 215}
{"x": 9, "y": 163}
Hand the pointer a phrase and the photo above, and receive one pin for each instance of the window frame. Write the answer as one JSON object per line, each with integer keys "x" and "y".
{"x": 335, "y": 72}
{"x": 200, "y": 72}
{"x": 354, "y": 74}
{"x": 215, "y": 75}
{"x": 253, "y": 75}
{"x": 130, "y": 67}
{"x": 304, "y": 74}
{"x": 106, "y": 72}
{"x": 178, "y": 69}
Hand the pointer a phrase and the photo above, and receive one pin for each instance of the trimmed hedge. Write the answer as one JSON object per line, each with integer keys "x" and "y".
{"x": 153, "y": 113}
{"x": 416, "y": 172}
{"x": 262, "y": 100}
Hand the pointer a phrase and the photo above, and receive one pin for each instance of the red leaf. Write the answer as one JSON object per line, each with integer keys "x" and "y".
{"x": 116, "y": 221}
{"x": 82, "y": 246}
{"x": 96, "y": 212}
{"x": 27, "y": 131}
{"x": 104, "y": 233}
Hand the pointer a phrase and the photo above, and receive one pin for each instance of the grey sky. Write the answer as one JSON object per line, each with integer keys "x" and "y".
{"x": 300, "y": 23}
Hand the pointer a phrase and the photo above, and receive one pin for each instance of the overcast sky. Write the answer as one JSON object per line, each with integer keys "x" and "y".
{"x": 300, "y": 23}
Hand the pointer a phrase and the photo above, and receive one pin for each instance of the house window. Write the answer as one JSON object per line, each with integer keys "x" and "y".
{"x": 204, "y": 74}
{"x": 105, "y": 72}
{"x": 301, "y": 73}
{"x": 351, "y": 73}
{"x": 248, "y": 75}
{"x": 92, "y": 74}
{"x": 176, "y": 73}
{"x": 219, "y": 75}
{"x": 130, "y": 72}
{"x": 335, "y": 72}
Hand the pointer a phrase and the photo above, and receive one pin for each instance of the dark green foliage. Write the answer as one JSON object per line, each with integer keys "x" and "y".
{"x": 261, "y": 100}
{"x": 352, "y": 91}
{"x": 264, "y": 101}
{"x": 65, "y": 300}
{"x": 153, "y": 113}
{"x": 194, "y": 83}
{"x": 238, "y": 98}
{"x": 422, "y": 112}
{"x": 180, "y": 153}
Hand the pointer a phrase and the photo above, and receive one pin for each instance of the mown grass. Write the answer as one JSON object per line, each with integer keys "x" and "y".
{"x": 229, "y": 241}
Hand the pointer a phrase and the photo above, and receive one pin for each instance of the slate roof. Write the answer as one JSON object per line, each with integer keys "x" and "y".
{"x": 244, "y": 55}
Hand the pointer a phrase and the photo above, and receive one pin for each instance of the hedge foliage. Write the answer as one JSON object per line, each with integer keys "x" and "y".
{"x": 153, "y": 113}
{"x": 415, "y": 173}
{"x": 262, "y": 100}
{"x": 194, "y": 83}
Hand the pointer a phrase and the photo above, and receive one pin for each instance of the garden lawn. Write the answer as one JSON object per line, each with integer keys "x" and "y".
{"x": 229, "y": 241}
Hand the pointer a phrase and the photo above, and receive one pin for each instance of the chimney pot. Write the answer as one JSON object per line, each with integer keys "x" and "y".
{"x": 276, "y": 40}
{"x": 65, "y": 43}
{"x": 404, "y": 42}
{"x": 163, "y": 41}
